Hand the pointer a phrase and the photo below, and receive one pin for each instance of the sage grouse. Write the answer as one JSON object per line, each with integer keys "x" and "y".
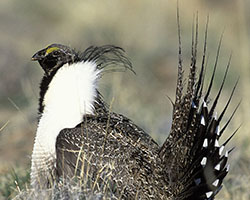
{"x": 78, "y": 137}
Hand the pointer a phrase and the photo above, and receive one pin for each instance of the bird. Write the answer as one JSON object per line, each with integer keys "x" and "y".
{"x": 79, "y": 137}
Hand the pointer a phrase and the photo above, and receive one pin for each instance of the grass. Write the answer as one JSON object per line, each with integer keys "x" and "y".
{"x": 15, "y": 185}
{"x": 13, "y": 182}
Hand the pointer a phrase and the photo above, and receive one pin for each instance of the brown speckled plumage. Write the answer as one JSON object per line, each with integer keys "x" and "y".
{"x": 112, "y": 138}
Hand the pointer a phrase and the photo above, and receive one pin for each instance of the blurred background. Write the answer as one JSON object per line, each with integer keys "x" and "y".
{"x": 147, "y": 30}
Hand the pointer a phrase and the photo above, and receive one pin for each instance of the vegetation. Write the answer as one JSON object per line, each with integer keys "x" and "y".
{"x": 148, "y": 32}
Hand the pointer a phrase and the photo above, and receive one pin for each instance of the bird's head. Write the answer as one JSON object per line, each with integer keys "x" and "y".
{"x": 54, "y": 56}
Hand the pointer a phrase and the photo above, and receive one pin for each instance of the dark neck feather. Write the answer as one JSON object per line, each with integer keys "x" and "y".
{"x": 100, "y": 105}
{"x": 47, "y": 78}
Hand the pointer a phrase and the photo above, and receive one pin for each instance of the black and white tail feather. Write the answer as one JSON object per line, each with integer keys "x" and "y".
{"x": 195, "y": 162}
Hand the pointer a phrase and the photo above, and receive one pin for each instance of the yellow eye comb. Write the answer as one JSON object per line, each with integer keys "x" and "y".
{"x": 49, "y": 50}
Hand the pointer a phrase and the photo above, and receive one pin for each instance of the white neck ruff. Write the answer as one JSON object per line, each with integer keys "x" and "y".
{"x": 70, "y": 95}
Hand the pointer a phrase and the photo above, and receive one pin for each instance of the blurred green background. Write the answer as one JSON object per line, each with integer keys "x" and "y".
{"x": 147, "y": 30}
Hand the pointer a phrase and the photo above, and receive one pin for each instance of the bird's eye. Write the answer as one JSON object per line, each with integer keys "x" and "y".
{"x": 56, "y": 53}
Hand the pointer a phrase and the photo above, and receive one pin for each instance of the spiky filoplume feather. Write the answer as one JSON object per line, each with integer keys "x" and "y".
{"x": 108, "y": 151}
{"x": 193, "y": 158}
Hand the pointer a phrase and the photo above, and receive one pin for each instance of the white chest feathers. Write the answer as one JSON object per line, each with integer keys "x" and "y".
{"x": 70, "y": 95}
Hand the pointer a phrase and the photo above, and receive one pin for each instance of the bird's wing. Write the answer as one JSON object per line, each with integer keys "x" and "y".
{"x": 108, "y": 151}
{"x": 195, "y": 163}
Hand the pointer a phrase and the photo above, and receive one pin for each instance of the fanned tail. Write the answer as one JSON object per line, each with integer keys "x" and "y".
{"x": 195, "y": 163}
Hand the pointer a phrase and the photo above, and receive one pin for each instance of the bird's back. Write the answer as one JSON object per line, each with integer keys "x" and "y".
{"x": 110, "y": 149}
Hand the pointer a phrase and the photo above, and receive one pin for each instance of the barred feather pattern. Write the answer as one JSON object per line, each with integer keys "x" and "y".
{"x": 115, "y": 142}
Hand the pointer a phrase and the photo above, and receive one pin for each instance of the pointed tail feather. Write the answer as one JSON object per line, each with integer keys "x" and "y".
{"x": 195, "y": 162}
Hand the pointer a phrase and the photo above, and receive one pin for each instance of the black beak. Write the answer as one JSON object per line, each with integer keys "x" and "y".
{"x": 37, "y": 56}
